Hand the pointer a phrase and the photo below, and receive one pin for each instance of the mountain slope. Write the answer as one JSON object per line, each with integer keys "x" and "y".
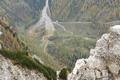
{"x": 78, "y": 24}
{"x": 27, "y": 11}
{"x": 15, "y": 55}
{"x": 85, "y": 10}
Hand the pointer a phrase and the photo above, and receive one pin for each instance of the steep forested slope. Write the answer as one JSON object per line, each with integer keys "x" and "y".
{"x": 67, "y": 10}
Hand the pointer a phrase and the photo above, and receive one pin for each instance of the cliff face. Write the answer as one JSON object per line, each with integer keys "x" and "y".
{"x": 8, "y": 71}
{"x": 103, "y": 62}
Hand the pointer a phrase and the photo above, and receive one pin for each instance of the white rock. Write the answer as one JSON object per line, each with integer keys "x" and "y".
{"x": 103, "y": 62}
{"x": 116, "y": 29}
{"x": 98, "y": 74}
{"x": 114, "y": 68}
{"x": 8, "y": 71}
{"x": 1, "y": 33}
{"x": 79, "y": 64}
{"x": 37, "y": 58}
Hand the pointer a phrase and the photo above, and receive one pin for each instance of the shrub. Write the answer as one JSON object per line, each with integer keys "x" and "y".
{"x": 63, "y": 74}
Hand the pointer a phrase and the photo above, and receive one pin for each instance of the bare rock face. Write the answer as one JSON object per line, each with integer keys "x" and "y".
{"x": 8, "y": 71}
{"x": 103, "y": 62}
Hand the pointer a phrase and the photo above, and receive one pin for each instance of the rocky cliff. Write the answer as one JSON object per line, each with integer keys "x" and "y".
{"x": 103, "y": 62}
{"x": 9, "y": 71}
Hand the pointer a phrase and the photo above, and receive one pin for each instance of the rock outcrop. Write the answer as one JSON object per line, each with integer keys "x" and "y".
{"x": 103, "y": 62}
{"x": 8, "y": 71}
